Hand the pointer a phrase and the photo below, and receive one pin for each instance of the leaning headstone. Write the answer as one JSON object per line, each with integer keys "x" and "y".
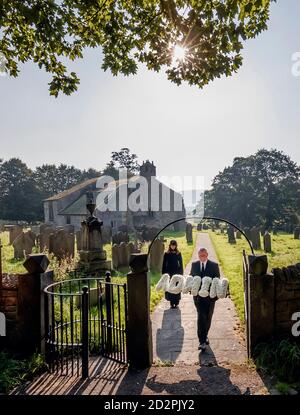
{"x": 189, "y": 233}
{"x": 61, "y": 244}
{"x": 255, "y": 238}
{"x": 267, "y": 242}
{"x": 23, "y": 244}
{"x": 157, "y": 255}
{"x": 297, "y": 233}
{"x": 231, "y": 236}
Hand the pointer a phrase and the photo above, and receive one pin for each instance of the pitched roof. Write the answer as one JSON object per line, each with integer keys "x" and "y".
{"x": 76, "y": 208}
{"x": 75, "y": 188}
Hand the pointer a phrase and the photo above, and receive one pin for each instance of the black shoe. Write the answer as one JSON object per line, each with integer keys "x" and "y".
{"x": 202, "y": 347}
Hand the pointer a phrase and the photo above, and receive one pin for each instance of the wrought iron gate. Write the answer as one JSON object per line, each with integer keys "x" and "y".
{"x": 85, "y": 317}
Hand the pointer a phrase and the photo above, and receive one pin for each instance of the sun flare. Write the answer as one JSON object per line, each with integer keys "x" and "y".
{"x": 179, "y": 53}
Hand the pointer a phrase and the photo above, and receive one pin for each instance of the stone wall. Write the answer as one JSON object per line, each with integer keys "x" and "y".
{"x": 287, "y": 298}
{"x": 9, "y": 306}
{"x": 273, "y": 299}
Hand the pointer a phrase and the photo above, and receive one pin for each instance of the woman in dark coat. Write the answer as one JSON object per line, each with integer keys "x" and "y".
{"x": 172, "y": 264}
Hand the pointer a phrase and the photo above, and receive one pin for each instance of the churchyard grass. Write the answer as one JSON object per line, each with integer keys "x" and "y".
{"x": 13, "y": 371}
{"x": 285, "y": 251}
{"x": 10, "y": 265}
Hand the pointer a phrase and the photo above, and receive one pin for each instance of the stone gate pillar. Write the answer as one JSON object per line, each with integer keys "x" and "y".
{"x": 261, "y": 298}
{"x": 139, "y": 334}
{"x": 30, "y": 328}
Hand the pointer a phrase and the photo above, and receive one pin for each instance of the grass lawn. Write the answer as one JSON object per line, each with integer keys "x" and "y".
{"x": 9, "y": 264}
{"x": 186, "y": 251}
{"x": 286, "y": 251}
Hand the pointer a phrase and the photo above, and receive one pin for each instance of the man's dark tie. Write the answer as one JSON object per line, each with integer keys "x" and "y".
{"x": 202, "y": 269}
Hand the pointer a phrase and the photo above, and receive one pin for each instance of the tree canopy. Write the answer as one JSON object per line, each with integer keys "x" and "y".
{"x": 208, "y": 33}
{"x": 22, "y": 190}
{"x": 262, "y": 189}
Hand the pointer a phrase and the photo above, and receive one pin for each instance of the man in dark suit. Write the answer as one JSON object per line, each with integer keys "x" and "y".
{"x": 204, "y": 305}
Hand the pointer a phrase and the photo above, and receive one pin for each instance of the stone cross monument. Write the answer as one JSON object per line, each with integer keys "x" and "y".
{"x": 92, "y": 255}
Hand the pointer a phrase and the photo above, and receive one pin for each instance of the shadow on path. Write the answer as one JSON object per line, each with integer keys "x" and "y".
{"x": 169, "y": 337}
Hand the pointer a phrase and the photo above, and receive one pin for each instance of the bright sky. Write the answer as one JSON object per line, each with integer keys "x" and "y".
{"x": 184, "y": 130}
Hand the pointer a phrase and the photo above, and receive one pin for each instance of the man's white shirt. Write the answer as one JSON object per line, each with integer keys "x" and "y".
{"x": 204, "y": 265}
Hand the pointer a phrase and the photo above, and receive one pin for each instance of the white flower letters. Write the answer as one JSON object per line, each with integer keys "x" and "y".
{"x": 205, "y": 287}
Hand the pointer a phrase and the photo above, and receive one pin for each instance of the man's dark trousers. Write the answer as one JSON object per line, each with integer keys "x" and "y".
{"x": 204, "y": 305}
{"x": 205, "y": 308}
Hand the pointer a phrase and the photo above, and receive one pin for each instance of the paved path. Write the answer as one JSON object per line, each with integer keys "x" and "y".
{"x": 219, "y": 371}
{"x": 175, "y": 330}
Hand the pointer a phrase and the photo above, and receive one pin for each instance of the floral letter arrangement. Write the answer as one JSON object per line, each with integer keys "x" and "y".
{"x": 204, "y": 287}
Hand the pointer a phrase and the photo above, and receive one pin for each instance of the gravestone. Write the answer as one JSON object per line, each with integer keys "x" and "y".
{"x": 238, "y": 235}
{"x": 297, "y": 233}
{"x": 78, "y": 235}
{"x": 14, "y": 231}
{"x": 157, "y": 255}
{"x": 149, "y": 233}
{"x": 68, "y": 228}
{"x": 123, "y": 255}
{"x": 189, "y": 233}
{"x": 62, "y": 244}
{"x": 231, "y": 236}
{"x": 35, "y": 229}
{"x": 247, "y": 232}
{"x": 106, "y": 233}
{"x": 267, "y": 242}
{"x": 120, "y": 237}
{"x": 133, "y": 249}
{"x": 115, "y": 256}
{"x": 255, "y": 238}
{"x": 23, "y": 244}
{"x": 199, "y": 227}
{"x": 44, "y": 237}
{"x": 92, "y": 255}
